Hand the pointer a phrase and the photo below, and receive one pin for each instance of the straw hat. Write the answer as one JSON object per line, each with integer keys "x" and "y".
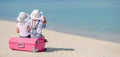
{"x": 36, "y": 14}
{"x": 22, "y": 16}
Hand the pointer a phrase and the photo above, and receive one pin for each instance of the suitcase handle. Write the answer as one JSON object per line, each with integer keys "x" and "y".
{"x": 21, "y": 45}
{"x": 40, "y": 41}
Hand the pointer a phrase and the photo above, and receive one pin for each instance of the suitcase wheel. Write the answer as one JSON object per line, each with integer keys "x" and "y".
{"x": 35, "y": 50}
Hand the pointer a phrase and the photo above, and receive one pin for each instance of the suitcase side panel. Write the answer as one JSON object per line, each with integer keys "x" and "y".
{"x": 25, "y": 47}
{"x": 22, "y": 44}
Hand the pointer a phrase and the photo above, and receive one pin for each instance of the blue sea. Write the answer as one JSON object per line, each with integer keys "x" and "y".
{"x": 99, "y": 19}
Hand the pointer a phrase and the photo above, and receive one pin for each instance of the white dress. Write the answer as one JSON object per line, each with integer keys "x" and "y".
{"x": 23, "y": 28}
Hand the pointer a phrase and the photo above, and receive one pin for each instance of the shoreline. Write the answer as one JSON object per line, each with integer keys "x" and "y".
{"x": 67, "y": 33}
{"x": 59, "y": 45}
{"x": 97, "y": 36}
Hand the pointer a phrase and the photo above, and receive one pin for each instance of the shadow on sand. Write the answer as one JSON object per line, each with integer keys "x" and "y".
{"x": 51, "y": 49}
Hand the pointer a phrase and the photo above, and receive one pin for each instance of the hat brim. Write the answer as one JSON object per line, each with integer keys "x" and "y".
{"x": 26, "y": 19}
{"x": 34, "y": 17}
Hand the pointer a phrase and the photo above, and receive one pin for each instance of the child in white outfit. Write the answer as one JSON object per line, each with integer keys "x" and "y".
{"x": 23, "y": 25}
{"x": 37, "y": 23}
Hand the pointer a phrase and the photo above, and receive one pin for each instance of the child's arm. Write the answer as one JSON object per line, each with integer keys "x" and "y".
{"x": 28, "y": 28}
{"x": 44, "y": 20}
{"x": 17, "y": 30}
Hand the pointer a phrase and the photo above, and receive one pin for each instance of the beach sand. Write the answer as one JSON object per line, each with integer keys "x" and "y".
{"x": 59, "y": 45}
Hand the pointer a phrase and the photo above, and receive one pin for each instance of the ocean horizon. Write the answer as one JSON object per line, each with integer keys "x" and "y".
{"x": 90, "y": 18}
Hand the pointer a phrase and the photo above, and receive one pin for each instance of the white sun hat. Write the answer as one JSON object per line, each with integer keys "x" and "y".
{"x": 23, "y": 16}
{"x": 36, "y": 14}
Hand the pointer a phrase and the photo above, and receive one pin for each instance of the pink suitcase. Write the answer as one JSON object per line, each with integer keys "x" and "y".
{"x": 27, "y": 44}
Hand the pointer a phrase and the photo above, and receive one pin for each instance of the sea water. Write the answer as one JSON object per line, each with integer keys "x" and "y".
{"x": 99, "y": 19}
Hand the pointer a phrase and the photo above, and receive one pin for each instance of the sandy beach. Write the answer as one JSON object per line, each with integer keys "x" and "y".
{"x": 59, "y": 45}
